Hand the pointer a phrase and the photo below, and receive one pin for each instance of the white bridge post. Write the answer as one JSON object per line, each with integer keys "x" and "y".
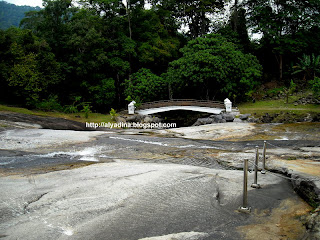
{"x": 131, "y": 107}
{"x": 228, "y": 105}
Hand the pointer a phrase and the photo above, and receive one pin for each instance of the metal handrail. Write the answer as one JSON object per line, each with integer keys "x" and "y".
{"x": 182, "y": 102}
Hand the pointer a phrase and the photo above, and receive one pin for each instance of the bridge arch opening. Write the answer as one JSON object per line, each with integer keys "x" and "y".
{"x": 183, "y": 118}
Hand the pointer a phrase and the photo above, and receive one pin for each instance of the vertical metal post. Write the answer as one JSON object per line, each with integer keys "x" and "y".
{"x": 245, "y": 207}
{"x": 245, "y": 184}
{"x": 255, "y": 183}
{"x": 263, "y": 171}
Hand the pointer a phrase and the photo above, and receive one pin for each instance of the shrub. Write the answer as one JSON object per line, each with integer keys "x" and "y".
{"x": 73, "y": 108}
{"x": 113, "y": 114}
{"x": 86, "y": 109}
{"x": 315, "y": 86}
{"x": 50, "y": 104}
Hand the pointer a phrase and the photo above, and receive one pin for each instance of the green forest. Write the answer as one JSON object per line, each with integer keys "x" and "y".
{"x": 98, "y": 54}
{"x": 11, "y": 15}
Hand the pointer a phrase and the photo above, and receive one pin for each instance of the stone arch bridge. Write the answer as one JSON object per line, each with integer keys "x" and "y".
{"x": 207, "y": 106}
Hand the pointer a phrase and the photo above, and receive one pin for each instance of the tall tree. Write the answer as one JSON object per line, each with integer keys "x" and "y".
{"x": 145, "y": 86}
{"x": 157, "y": 43}
{"x": 211, "y": 67}
{"x": 29, "y": 69}
{"x": 50, "y": 22}
{"x": 236, "y": 29}
{"x": 194, "y": 14}
{"x": 279, "y": 20}
{"x": 238, "y": 24}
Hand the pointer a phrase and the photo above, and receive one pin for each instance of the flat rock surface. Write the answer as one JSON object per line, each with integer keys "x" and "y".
{"x": 133, "y": 200}
{"x": 20, "y": 120}
{"x": 122, "y": 185}
{"x": 215, "y": 131}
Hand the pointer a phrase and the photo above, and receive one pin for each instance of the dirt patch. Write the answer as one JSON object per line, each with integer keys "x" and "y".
{"x": 305, "y": 166}
{"x": 282, "y": 223}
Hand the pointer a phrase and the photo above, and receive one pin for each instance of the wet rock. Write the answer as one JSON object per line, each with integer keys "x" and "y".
{"x": 203, "y": 121}
{"x": 135, "y": 118}
{"x": 156, "y": 120}
{"x": 228, "y": 117}
{"x": 308, "y": 118}
{"x": 120, "y": 119}
{"x": 252, "y": 120}
{"x": 315, "y": 117}
{"x": 100, "y": 214}
{"x": 267, "y": 118}
{"x": 238, "y": 120}
{"x": 147, "y": 119}
{"x": 217, "y": 118}
{"x": 306, "y": 188}
{"x": 307, "y": 100}
{"x": 180, "y": 236}
{"x": 313, "y": 225}
{"x": 244, "y": 116}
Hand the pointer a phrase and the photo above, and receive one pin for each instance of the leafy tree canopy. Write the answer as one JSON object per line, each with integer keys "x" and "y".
{"x": 28, "y": 65}
{"x": 145, "y": 86}
{"x": 279, "y": 22}
{"x": 212, "y": 67}
{"x": 193, "y": 14}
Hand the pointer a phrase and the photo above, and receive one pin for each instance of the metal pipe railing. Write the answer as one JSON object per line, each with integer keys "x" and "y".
{"x": 182, "y": 102}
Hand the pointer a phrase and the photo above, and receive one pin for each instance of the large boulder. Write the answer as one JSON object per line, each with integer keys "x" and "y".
{"x": 120, "y": 119}
{"x": 267, "y": 118}
{"x": 313, "y": 225}
{"x": 218, "y": 118}
{"x": 244, "y": 117}
{"x": 203, "y": 121}
{"x": 156, "y": 120}
{"x": 228, "y": 117}
{"x": 135, "y": 118}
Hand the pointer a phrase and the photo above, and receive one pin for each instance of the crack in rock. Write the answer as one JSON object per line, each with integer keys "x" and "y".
{"x": 35, "y": 199}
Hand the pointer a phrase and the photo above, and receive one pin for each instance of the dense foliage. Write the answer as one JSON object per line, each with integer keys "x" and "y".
{"x": 213, "y": 67}
{"x": 145, "y": 86}
{"x": 92, "y": 55}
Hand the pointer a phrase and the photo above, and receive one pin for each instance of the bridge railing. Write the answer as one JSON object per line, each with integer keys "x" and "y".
{"x": 182, "y": 102}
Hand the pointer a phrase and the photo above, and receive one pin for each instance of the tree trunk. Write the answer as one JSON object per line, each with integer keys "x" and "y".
{"x": 130, "y": 35}
{"x": 280, "y": 67}
{"x": 129, "y": 20}
{"x": 235, "y": 19}
{"x": 170, "y": 91}
{"x": 280, "y": 64}
{"x": 118, "y": 91}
